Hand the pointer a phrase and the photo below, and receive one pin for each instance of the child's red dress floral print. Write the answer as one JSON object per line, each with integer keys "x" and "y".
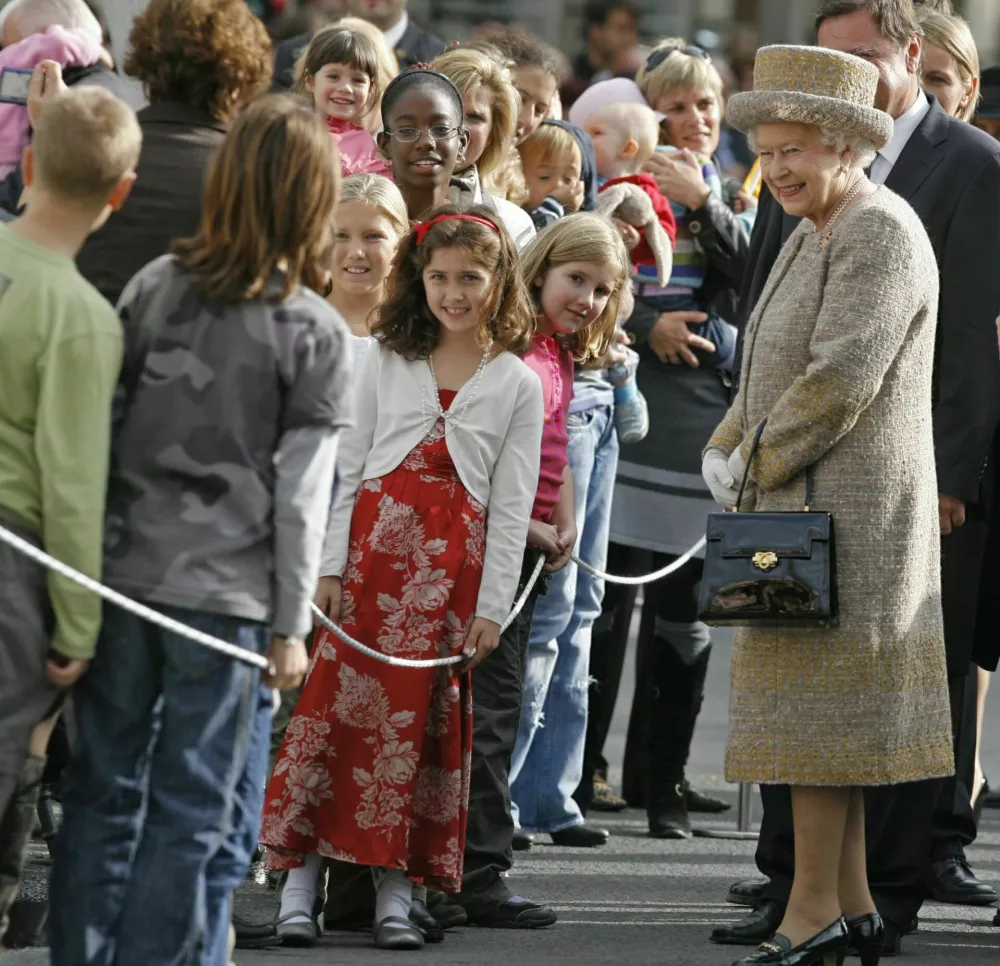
{"x": 374, "y": 768}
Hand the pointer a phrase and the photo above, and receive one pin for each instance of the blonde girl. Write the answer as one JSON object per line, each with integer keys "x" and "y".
{"x": 951, "y": 62}
{"x": 370, "y": 220}
{"x": 577, "y": 271}
{"x": 340, "y": 74}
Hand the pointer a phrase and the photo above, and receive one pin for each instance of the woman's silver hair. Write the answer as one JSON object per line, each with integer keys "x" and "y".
{"x": 864, "y": 151}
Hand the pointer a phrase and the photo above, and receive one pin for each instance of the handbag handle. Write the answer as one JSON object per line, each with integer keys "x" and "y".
{"x": 746, "y": 474}
{"x": 753, "y": 452}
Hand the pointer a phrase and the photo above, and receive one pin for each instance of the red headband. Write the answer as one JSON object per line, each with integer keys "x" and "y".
{"x": 421, "y": 229}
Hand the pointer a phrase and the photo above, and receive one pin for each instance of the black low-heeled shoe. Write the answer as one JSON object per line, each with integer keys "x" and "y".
{"x": 826, "y": 948}
{"x": 867, "y": 938}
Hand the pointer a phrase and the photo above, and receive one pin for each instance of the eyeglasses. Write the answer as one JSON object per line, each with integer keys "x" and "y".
{"x": 657, "y": 57}
{"x": 437, "y": 132}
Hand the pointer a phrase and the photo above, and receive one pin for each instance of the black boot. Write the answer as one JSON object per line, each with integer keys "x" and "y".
{"x": 675, "y": 697}
{"x": 666, "y": 809}
{"x": 16, "y": 824}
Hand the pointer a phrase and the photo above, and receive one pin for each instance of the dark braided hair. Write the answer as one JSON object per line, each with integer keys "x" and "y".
{"x": 414, "y": 78}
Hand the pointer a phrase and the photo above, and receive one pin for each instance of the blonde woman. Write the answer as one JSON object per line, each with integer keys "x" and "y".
{"x": 951, "y": 62}
{"x": 371, "y": 218}
{"x": 491, "y": 106}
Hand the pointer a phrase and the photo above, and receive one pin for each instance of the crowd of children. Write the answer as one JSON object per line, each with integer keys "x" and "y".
{"x": 409, "y": 292}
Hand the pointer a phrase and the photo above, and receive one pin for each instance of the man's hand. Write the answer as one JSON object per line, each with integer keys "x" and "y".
{"x": 672, "y": 340}
{"x": 46, "y": 83}
{"x": 63, "y": 671}
{"x": 328, "y": 597}
{"x": 951, "y": 511}
{"x": 483, "y": 639}
{"x": 290, "y": 662}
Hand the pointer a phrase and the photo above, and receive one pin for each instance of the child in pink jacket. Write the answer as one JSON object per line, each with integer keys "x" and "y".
{"x": 73, "y": 47}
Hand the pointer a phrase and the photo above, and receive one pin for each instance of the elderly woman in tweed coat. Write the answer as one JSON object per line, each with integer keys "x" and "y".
{"x": 838, "y": 360}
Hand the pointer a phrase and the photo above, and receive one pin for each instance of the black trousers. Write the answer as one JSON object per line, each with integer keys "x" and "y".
{"x": 497, "y": 686}
{"x": 671, "y": 665}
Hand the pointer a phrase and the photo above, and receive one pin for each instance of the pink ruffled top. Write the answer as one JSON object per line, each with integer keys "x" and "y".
{"x": 359, "y": 154}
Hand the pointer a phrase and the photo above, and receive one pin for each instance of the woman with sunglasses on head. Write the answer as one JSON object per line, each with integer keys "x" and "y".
{"x": 660, "y": 500}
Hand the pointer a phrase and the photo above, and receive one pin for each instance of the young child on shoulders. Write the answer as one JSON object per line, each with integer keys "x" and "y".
{"x": 560, "y": 171}
{"x": 422, "y": 558}
{"x": 60, "y": 352}
{"x": 232, "y": 394}
{"x": 340, "y": 73}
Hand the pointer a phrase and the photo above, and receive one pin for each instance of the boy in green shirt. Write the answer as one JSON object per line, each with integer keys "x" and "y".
{"x": 60, "y": 354}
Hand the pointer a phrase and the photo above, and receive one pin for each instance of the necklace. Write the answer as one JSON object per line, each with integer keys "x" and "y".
{"x": 443, "y": 419}
{"x": 824, "y": 238}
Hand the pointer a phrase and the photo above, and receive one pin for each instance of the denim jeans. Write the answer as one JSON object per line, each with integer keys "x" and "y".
{"x": 548, "y": 756}
{"x": 149, "y": 850}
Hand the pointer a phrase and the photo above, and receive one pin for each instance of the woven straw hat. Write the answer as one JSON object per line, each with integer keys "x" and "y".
{"x": 812, "y": 85}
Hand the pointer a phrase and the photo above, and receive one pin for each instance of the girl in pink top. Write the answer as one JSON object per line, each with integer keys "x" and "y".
{"x": 340, "y": 72}
{"x": 575, "y": 270}
{"x": 74, "y": 47}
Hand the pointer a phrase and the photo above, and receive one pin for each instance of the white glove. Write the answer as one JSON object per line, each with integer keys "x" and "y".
{"x": 715, "y": 470}
{"x": 737, "y": 468}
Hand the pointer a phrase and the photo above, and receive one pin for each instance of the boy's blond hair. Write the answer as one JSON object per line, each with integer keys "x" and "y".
{"x": 636, "y": 122}
{"x": 86, "y": 140}
{"x": 547, "y": 144}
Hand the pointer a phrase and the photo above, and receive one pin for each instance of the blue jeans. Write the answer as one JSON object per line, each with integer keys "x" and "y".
{"x": 162, "y": 772}
{"x": 548, "y": 756}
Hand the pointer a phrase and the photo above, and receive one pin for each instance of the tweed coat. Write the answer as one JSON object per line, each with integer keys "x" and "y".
{"x": 838, "y": 359}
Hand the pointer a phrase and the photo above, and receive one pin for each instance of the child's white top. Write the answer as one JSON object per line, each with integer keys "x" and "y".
{"x": 495, "y": 445}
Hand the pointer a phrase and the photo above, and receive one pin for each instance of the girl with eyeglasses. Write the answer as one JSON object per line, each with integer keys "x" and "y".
{"x": 423, "y": 136}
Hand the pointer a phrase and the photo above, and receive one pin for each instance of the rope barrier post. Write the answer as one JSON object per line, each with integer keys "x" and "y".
{"x": 744, "y": 807}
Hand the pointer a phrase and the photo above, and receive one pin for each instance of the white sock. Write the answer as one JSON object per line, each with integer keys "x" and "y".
{"x": 299, "y": 894}
{"x": 395, "y": 895}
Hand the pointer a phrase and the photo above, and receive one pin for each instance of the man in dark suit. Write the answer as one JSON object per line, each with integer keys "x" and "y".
{"x": 950, "y": 173}
{"x": 411, "y": 43}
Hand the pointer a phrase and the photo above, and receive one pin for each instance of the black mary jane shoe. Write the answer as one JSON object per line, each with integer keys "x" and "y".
{"x": 867, "y": 938}
{"x": 826, "y": 948}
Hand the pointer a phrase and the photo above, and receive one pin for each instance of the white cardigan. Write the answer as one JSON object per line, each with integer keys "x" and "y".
{"x": 496, "y": 448}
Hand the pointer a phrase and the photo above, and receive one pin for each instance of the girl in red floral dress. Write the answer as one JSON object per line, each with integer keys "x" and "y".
{"x": 422, "y": 558}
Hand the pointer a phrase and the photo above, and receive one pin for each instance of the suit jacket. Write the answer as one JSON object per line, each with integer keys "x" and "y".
{"x": 950, "y": 173}
{"x": 416, "y": 46}
{"x": 178, "y": 142}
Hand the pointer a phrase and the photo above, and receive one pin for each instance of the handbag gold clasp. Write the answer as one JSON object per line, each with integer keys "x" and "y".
{"x": 765, "y": 560}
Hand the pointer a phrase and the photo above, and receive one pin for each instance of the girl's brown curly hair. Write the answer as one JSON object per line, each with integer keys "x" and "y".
{"x": 213, "y": 55}
{"x": 405, "y": 324}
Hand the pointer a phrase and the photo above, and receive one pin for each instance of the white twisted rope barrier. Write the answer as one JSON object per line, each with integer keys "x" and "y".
{"x": 134, "y": 607}
{"x": 257, "y": 660}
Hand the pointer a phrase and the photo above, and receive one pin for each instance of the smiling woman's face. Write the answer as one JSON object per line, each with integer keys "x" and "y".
{"x": 803, "y": 173}
{"x": 428, "y": 162}
{"x": 692, "y": 120}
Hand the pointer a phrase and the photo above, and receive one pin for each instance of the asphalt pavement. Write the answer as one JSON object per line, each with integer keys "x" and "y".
{"x": 637, "y": 901}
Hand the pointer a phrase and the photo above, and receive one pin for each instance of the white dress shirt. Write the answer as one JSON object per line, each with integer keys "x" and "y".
{"x": 395, "y": 34}
{"x": 902, "y": 130}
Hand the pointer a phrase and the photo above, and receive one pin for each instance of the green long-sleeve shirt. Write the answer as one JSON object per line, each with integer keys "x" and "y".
{"x": 60, "y": 354}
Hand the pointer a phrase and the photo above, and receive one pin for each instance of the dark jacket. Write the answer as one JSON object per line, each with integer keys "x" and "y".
{"x": 416, "y": 46}
{"x": 177, "y": 143}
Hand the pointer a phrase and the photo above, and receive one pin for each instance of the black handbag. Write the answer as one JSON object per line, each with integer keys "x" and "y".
{"x": 769, "y": 569}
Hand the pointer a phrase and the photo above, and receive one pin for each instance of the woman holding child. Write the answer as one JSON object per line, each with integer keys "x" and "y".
{"x": 660, "y": 500}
